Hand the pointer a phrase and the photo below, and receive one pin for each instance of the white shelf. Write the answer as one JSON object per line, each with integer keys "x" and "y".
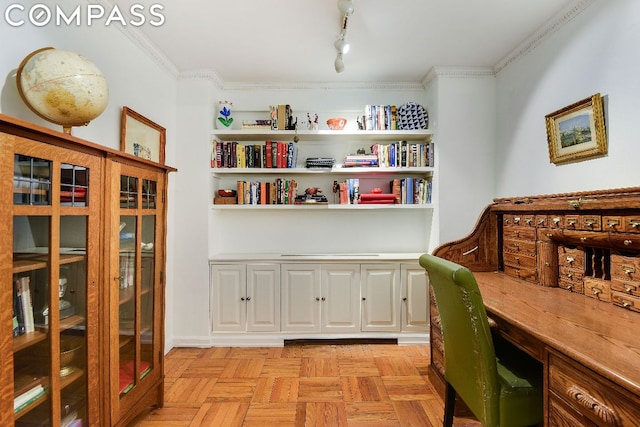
{"x": 333, "y": 170}
{"x": 321, "y": 135}
{"x": 336, "y": 207}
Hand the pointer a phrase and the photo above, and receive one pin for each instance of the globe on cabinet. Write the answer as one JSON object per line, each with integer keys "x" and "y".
{"x": 62, "y": 87}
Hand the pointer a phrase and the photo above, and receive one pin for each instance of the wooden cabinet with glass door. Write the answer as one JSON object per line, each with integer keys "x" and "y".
{"x": 49, "y": 270}
{"x": 136, "y": 291}
{"x": 82, "y": 252}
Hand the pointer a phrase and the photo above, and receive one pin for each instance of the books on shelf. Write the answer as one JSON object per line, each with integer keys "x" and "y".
{"x": 404, "y": 154}
{"x": 28, "y": 389}
{"x": 271, "y": 154}
{"x": 379, "y": 117}
{"x": 22, "y": 306}
{"x": 279, "y": 192}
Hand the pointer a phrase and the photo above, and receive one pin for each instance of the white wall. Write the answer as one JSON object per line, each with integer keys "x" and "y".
{"x": 135, "y": 80}
{"x": 465, "y": 128}
{"x": 596, "y": 52}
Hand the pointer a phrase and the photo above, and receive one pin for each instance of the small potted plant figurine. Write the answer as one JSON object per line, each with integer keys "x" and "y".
{"x": 224, "y": 119}
{"x": 312, "y": 125}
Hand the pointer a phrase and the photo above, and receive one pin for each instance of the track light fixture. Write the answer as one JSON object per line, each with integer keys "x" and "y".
{"x": 341, "y": 44}
{"x": 345, "y": 6}
{"x": 339, "y": 63}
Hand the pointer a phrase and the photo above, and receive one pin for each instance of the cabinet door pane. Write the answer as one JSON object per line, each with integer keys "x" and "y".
{"x": 31, "y": 181}
{"x": 148, "y": 269}
{"x": 31, "y": 302}
{"x": 127, "y": 308}
{"x": 72, "y": 310}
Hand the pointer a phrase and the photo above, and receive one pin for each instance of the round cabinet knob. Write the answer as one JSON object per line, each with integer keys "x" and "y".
{"x": 317, "y": 299}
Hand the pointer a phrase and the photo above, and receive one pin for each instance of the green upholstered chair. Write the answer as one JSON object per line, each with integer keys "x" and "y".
{"x": 500, "y": 384}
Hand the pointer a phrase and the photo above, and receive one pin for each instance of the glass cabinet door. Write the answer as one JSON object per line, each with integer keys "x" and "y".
{"x": 138, "y": 275}
{"x": 55, "y": 231}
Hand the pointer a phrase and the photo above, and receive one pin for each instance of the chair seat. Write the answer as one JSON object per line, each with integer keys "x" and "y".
{"x": 520, "y": 379}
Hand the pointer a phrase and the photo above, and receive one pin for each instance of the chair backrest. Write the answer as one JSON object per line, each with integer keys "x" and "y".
{"x": 470, "y": 361}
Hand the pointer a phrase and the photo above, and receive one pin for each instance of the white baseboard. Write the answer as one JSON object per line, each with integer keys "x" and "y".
{"x": 277, "y": 339}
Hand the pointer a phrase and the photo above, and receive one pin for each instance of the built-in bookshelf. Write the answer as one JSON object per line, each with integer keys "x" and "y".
{"x": 401, "y": 158}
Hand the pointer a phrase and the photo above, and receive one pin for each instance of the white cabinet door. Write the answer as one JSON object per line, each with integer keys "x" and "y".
{"x": 300, "y": 297}
{"x": 415, "y": 298}
{"x": 263, "y": 297}
{"x": 340, "y": 298}
{"x": 228, "y": 295}
{"x": 381, "y": 297}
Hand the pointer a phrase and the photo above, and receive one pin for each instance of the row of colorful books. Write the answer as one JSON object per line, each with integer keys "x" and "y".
{"x": 23, "y": 321}
{"x": 279, "y": 192}
{"x": 379, "y": 117}
{"x": 401, "y": 191}
{"x": 404, "y": 154}
{"x": 271, "y": 154}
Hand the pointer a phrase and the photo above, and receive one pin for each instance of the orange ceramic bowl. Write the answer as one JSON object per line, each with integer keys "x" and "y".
{"x": 226, "y": 193}
{"x": 336, "y": 123}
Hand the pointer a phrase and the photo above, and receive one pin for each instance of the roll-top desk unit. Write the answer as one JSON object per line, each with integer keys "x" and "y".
{"x": 560, "y": 278}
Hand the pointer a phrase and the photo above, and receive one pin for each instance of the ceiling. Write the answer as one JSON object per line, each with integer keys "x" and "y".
{"x": 260, "y": 41}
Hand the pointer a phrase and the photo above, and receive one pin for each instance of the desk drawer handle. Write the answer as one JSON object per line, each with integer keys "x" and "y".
{"x": 628, "y": 269}
{"x": 590, "y": 403}
{"x": 570, "y": 259}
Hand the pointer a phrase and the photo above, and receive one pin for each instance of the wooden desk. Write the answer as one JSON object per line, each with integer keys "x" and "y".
{"x": 560, "y": 276}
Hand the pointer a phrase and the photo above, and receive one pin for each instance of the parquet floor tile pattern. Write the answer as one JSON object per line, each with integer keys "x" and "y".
{"x": 301, "y": 385}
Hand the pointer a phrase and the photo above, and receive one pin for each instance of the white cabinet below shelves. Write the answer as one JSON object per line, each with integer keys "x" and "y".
{"x": 415, "y": 292}
{"x": 245, "y": 297}
{"x": 320, "y": 298}
{"x": 381, "y": 297}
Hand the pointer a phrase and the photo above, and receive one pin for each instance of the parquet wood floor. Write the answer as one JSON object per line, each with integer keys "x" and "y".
{"x": 300, "y": 384}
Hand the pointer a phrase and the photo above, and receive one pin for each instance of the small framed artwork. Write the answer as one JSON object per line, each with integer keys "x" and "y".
{"x": 577, "y": 132}
{"x": 142, "y": 137}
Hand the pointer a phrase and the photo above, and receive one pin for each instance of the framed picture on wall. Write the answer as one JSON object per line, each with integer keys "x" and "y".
{"x": 577, "y": 132}
{"x": 142, "y": 137}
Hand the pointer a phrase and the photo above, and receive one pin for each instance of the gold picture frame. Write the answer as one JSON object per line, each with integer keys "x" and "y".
{"x": 577, "y": 132}
{"x": 142, "y": 137}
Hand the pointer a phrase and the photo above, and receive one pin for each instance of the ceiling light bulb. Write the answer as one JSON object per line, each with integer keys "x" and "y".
{"x": 345, "y": 6}
{"x": 338, "y": 63}
{"x": 342, "y": 46}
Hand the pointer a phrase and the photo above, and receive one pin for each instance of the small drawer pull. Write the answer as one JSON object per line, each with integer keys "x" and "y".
{"x": 541, "y": 221}
{"x": 516, "y": 220}
{"x": 528, "y": 221}
{"x": 590, "y": 222}
{"x": 556, "y": 220}
{"x": 628, "y": 269}
{"x": 572, "y": 222}
{"x": 634, "y": 224}
{"x": 549, "y": 235}
{"x": 613, "y": 224}
{"x": 596, "y": 291}
{"x": 592, "y": 404}
{"x": 570, "y": 259}
{"x": 628, "y": 242}
{"x": 628, "y": 288}
{"x": 583, "y": 239}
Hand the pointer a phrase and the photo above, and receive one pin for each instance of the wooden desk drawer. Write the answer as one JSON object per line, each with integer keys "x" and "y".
{"x": 613, "y": 223}
{"x": 520, "y": 246}
{"x": 562, "y": 415}
{"x": 599, "y": 289}
{"x": 625, "y": 286}
{"x": 625, "y": 267}
{"x": 519, "y": 233}
{"x": 591, "y": 395}
{"x": 570, "y": 257}
{"x": 631, "y": 224}
{"x": 624, "y": 300}
{"x": 590, "y": 222}
{"x": 571, "y": 279}
{"x": 519, "y": 260}
{"x": 528, "y": 220}
{"x": 527, "y": 274}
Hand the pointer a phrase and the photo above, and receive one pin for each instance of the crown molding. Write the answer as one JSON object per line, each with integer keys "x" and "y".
{"x": 551, "y": 26}
{"x": 342, "y": 86}
{"x": 210, "y": 75}
{"x": 456, "y": 72}
{"x": 137, "y": 37}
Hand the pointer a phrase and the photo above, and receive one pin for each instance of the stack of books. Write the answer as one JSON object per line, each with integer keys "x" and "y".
{"x": 28, "y": 389}
{"x": 352, "y": 160}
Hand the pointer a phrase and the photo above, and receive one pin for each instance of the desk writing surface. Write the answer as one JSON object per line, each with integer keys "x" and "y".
{"x": 598, "y": 335}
